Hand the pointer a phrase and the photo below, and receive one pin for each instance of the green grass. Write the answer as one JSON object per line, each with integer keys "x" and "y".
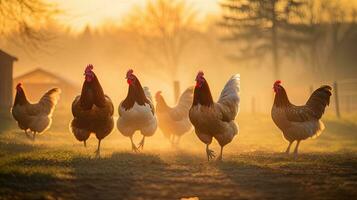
{"x": 56, "y": 166}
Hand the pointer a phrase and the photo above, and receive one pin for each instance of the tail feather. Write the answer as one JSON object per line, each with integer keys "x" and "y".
{"x": 147, "y": 93}
{"x": 50, "y": 99}
{"x": 319, "y": 99}
{"x": 185, "y": 100}
{"x": 229, "y": 99}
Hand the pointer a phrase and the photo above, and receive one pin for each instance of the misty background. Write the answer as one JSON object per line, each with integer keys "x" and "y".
{"x": 303, "y": 43}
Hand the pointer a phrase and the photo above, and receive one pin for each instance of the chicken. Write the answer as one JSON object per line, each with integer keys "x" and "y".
{"x": 92, "y": 111}
{"x": 34, "y": 117}
{"x": 174, "y": 122}
{"x": 299, "y": 122}
{"x": 136, "y": 112}
{"x": 215, "y": 120}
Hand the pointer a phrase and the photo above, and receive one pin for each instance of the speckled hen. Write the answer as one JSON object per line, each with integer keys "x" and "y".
{"x": 299, "y": 122}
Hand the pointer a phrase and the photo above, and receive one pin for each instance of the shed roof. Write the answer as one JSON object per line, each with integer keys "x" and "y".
{"x": 41, "y": 76}
{"x": 4, "y": 55}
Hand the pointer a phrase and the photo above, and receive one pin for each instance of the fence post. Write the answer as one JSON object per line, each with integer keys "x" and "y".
{"x": 337, "y": 104}
{"x": 176, "y": 90}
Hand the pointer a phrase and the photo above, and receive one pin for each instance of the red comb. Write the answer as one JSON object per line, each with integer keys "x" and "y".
{"x": 277, "y": 82}
{"x": 89, "y": 68}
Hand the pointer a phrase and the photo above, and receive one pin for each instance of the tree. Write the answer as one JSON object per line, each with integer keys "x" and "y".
{"x": 264, "y": 27}
{"x": 165, "y": 29}
{"x": 21, "y": 20}
{"x": 329, "y": 24}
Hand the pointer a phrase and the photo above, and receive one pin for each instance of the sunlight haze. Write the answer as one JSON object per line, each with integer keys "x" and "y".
{"x": 81, "y": 13}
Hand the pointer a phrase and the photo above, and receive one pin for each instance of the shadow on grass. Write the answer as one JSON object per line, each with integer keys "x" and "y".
{"x": 75, "y": 176}
{"x": 311, "y": 176}
{"x": 120, "y": 176}
{"x": 258, "y": 182}
{"x": 7, "y": 148}
{"x": 19, "y": 185}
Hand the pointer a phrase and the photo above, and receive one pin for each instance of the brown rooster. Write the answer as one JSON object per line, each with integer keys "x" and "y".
{"x": 299, "y": 122}
{"x": 136, "y": 112}
{"x": 34, "y": 117}
{"x": 92, "y": 111}
{"x": 215, "y": 120}
{"x": 174, "y": 121}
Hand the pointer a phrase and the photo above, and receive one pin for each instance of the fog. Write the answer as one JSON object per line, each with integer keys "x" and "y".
{"x": 113, "y": 49}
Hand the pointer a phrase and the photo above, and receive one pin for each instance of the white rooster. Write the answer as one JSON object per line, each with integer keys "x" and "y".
{"x": 215, "y": 120}
{"x": 136, "y": 112}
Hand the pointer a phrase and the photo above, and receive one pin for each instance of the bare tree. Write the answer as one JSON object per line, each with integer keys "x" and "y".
{"x": 164, "y": 28}
{"x": 21, "y": 21}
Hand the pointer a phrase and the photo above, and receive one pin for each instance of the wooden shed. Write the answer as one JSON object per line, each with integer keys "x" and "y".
{"x": 38, "y": 81}
{"x": 6, "y": 71}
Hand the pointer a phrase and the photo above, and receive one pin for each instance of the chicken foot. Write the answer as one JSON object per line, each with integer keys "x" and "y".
{"x": 141, "y": 144}
{"x": 133, "y": 147}
{"x": 288, "y": 149}
{"x": 97, "y": 152}
{"x": 219, "y": 158}
{"x": 210, "y": 153}
{"x": 296, "y": 149}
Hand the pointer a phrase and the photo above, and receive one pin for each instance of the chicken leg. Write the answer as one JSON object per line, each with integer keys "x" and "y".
{"x": 97, "y": 152}
{"x": 220, "y": 155}
{"x": 288, "y": 149}
{"x": 27, "y": 135}
{"x": 296, "y": 149}
{"x": 34, "y": 135}
{"x": 172, "y": 139}
{"x": 85, "y": 143}
{"x": 210, "y": 153}
{"x": 178, "y": 140}
{"x": 141, "y": 144}
{"x": 133, "y": 147}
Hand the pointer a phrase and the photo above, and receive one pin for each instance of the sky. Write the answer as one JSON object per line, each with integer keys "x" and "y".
{"x": 80, "y": 13}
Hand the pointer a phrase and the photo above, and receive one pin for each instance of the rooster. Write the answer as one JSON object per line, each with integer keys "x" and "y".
{"x": 215, "y": 120}
{"x": 299, "y": 122}
{"x": 37, "y": 117}
{"x": 174, "y": 122}
{"x": 92, "y": 111}
{"x": 136, "y": 112}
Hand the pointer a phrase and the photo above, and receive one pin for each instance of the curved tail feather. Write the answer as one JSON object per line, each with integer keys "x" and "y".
{"x": 319, "y": 99}
{"x": 50, "y": 99}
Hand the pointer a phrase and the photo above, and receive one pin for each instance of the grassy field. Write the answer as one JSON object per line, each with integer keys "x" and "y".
{"x": 56, "y": 166}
